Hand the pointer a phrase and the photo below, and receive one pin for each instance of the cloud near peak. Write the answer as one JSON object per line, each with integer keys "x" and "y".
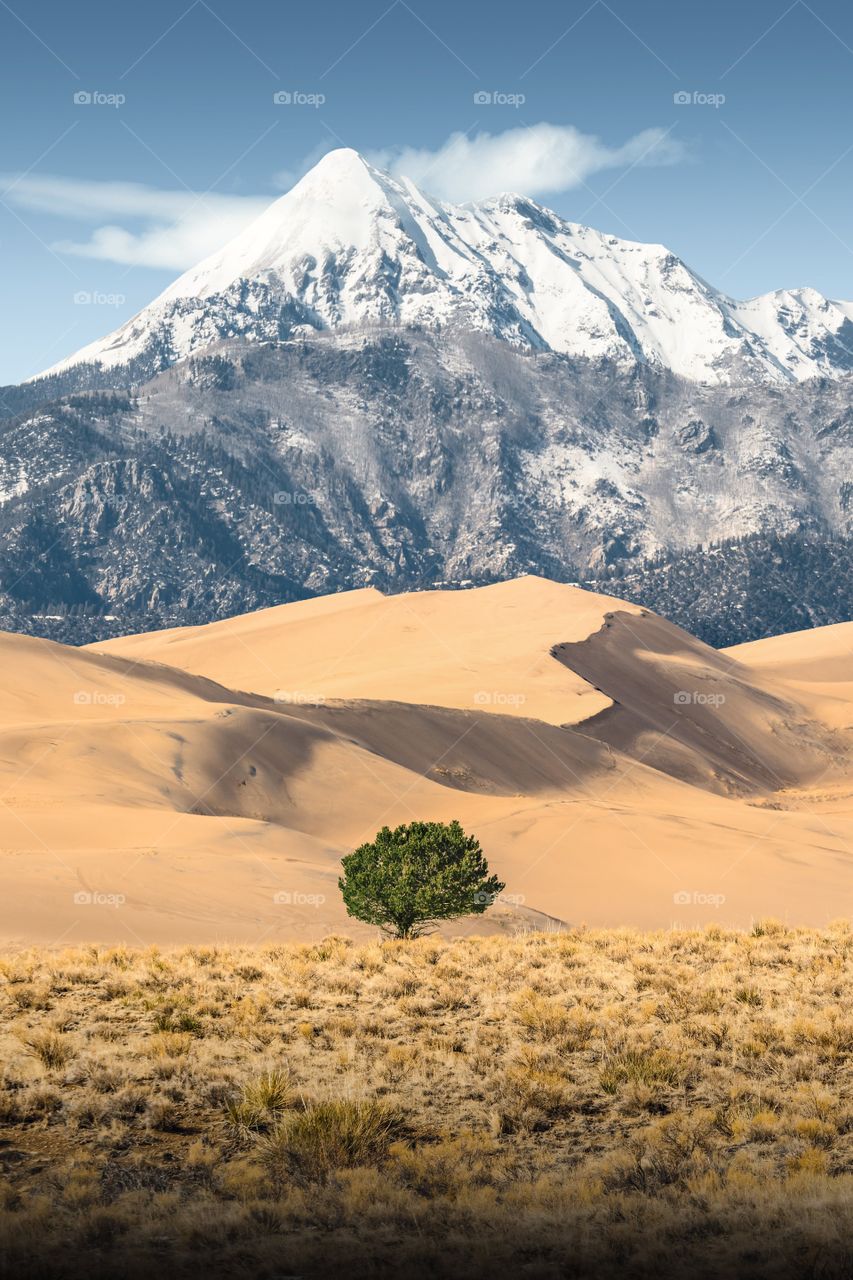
{"x": 539, "y": 160}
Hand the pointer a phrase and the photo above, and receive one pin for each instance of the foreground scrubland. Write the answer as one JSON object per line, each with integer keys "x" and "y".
{"x": 581, "y": 1103}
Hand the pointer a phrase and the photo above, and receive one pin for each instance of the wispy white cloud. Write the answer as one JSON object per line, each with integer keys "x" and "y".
{"x": 537, "y": 160}
{"x": 138, "y": 225}
{"x": 146, "y": 226}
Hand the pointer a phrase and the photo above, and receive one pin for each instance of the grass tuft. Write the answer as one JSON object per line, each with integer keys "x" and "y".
{"x": 327, "y": 1136}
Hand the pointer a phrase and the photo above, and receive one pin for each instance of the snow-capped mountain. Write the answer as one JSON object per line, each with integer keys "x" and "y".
{"x": 369, "y": 387}
{"x": 351, "y": 248}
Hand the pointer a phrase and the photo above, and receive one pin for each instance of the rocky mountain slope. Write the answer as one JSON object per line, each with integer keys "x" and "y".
{"x": 263, "y": 473}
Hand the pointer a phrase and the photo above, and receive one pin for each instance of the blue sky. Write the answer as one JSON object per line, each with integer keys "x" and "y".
{"x": 99, "y": 200}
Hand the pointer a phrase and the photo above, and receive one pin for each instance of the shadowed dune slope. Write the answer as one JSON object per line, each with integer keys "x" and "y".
{"x": 696, "y": 713}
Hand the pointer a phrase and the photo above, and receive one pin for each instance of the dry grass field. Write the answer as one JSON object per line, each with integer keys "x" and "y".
{"x": 579, "y": 1103}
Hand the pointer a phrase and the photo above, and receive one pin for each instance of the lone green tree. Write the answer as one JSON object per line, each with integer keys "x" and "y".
{"x": 410, "y": 879}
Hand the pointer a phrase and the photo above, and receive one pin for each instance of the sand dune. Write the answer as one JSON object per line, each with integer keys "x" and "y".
{"x": 473, "y": 650}
{"x": 817, "y": 664}
{"x": 824, "y": 655}
{"x": 203, "y": 783}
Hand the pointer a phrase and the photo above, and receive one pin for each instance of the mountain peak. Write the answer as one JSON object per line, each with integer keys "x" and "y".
{"x": 340, "y": 161}
{"x": 351, "y": 246}
{"x": 337, "y": 172}
{"x": 334, "y": 209}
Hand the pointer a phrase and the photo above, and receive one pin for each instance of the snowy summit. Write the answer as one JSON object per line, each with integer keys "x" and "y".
{"x": 350, "y": 247}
